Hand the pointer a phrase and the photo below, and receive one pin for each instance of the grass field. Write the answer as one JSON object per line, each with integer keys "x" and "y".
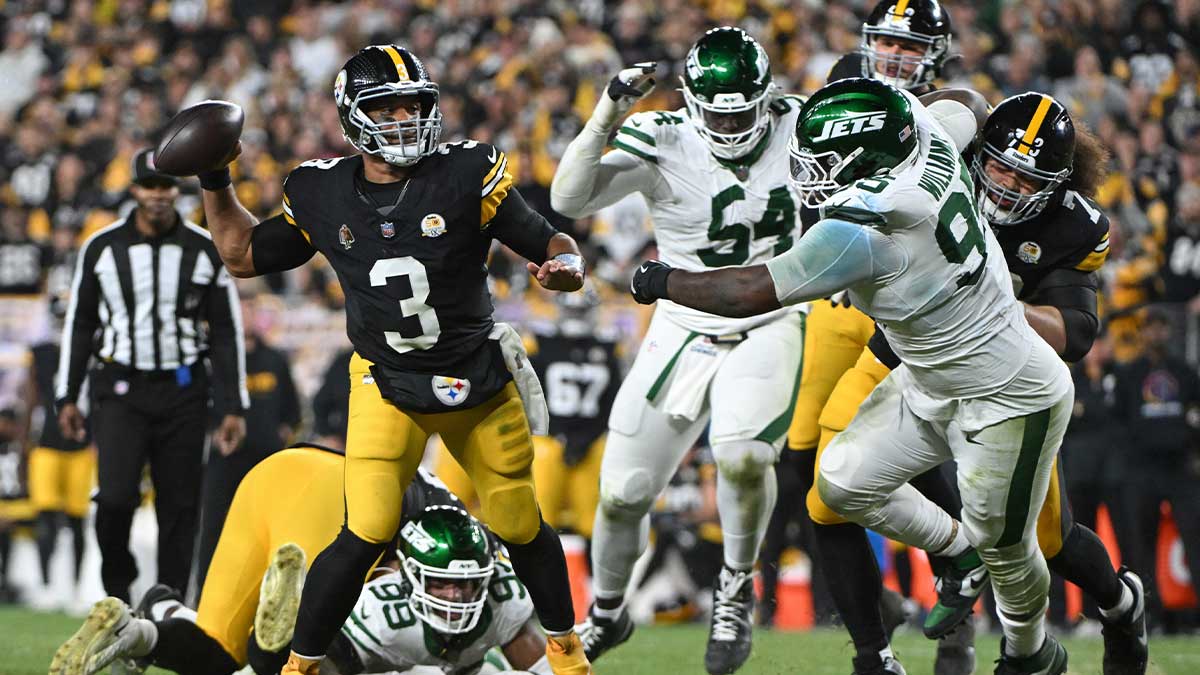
{"x": 27, "y": 640}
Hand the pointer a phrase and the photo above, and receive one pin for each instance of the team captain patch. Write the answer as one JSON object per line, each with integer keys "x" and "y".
{"x": 1029, "y": 252}
{"x": 451, "y": 390}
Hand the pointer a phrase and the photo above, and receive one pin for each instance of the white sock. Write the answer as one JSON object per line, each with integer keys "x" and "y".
{"x": 146, "y": 639}
{"x": 164, "y": 609}
{"x": 1025, "y": 642}
{"x": 1123, "y": 605}
{"x": 958, "y": 542}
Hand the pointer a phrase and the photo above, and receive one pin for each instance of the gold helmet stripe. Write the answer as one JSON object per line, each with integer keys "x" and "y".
{"x": 1035, "y": 125}
{"x": 401, "y": 69}
{"x": 898, "y": 10}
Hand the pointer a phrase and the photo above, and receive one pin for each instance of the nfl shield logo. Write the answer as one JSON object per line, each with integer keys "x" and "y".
{"x": 451, "y": 391}
{"x": 387, "y": 229}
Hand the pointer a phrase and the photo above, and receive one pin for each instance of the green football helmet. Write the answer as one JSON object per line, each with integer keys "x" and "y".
{"x": 728, "y": 90}
{"x": 849, "y": 130}
{"x": 448, "y": 561}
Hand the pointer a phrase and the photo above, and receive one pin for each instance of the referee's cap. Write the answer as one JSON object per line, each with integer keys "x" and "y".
{"x": 146, "y": 175}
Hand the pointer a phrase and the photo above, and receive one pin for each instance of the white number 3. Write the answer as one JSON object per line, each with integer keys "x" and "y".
{"x": 415, "y": 306}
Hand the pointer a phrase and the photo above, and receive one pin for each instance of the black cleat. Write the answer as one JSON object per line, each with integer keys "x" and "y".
{"x": 1126, "y": 649}
{"x": 956, "y": 651}
{"x": 729, "y": 629}
{"x": 958, "y": 589}
{"x": 1051, "y": 659}
{"x": 872, "y": 665}
{"x": 600, "y": 635}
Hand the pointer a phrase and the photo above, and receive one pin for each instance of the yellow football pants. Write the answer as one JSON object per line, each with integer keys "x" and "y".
{"x": 851, "y": 390}
{"x": 62, "y": 480}
{"x": 833, "y": 339}
{"x": 567, "y": 495}
{"x": 384, "y": 446}
{"x": 295, "y": 496}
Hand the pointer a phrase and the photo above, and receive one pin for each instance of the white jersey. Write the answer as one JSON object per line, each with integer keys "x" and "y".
{"x": 705, "y": 216}
{"x": 388, "y": 637}
{"x": 944, "y": 296}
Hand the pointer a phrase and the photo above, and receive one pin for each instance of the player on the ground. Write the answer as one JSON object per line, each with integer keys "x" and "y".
{"x": 217, "y": 638}
{"x": 715, "y": 178}
{"x": 900, "y": 230}
{"x": 407, "y": 225}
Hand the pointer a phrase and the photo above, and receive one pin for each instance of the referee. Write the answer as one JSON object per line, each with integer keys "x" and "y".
{"x": 149, "y": 300}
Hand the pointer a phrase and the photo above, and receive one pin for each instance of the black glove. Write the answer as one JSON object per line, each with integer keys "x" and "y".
{"x": 650, "y": 281}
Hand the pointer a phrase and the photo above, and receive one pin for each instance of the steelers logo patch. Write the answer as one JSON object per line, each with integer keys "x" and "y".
{"x": 1029, "y": 252}
{"x": 451, "y": 391}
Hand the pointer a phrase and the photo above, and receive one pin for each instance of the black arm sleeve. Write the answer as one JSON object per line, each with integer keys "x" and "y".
{"x": 277, "y": 246}
{"x": 1073, "y": 293}
{"x": 522, "y": 229}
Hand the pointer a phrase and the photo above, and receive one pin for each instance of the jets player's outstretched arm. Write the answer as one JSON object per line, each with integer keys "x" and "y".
{"x": 833, "y": 256}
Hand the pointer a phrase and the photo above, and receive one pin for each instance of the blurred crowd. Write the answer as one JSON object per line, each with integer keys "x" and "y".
{"x": 87, "y": 83}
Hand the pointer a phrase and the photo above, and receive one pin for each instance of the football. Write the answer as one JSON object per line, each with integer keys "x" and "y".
{"x": 199, "y": 138}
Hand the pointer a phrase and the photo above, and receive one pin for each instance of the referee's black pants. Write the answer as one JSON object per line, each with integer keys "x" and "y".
{"x": 139, "y": 418}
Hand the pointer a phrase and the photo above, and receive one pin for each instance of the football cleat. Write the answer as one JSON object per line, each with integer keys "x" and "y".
{"x": 956, "y": 651}
{"x": 1050, "y": 659}
{"x": 566, "y": 656}
{"x": 600, "y": 635}
{"x": 109, "y": 635}
{"x": 279, "y": 598}
{"x": 1126, "y": 649}
{"x": 888, "y": 666}
{"x": 958, "y": 588}
{"x": 729, "y": 631}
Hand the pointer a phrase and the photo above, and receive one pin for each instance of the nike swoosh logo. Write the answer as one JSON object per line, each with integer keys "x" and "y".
{"x": 975, "y": 583}
{"x": 495, "y": 154}
{"x": 635, "y": 122}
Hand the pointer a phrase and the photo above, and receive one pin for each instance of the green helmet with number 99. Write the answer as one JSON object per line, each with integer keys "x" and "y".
{"x": 849, "y": 130}
{"x": 448, "y": 561}
{"x": 728, "y": 91}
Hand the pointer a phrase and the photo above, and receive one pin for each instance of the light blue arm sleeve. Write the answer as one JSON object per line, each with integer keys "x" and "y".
{"x": 833, "y": 256}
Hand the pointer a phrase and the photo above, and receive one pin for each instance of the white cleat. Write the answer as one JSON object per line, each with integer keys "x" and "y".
{"x": 109, "y": 633}
{"x": 279, "y": 598}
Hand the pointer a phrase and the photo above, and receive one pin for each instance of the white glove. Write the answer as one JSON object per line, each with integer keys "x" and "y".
{"x": 630, "y": 85}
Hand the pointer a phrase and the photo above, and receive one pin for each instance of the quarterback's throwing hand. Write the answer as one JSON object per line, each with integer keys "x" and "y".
{"x": 560, "y": 273}
{"x": 650, "y": 281}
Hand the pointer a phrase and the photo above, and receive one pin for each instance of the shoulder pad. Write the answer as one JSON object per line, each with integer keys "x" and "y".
{"x": 641, "y": 133}
{"x": 1084, "y": 222}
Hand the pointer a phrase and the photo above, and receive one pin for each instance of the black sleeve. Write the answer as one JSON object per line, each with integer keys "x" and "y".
{"x": 1073, "y": 293}
{"x": 521, "y": 228}
{"x": 277, "y": 246}
{"x": 227, "y": 347}
{"x": 850, "y": 65}
{"x": 879, "y": 346}
{"x": 79, "y": 326}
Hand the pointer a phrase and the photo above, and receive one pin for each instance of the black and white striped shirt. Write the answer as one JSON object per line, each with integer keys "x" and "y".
{"x": 153, "y": 305}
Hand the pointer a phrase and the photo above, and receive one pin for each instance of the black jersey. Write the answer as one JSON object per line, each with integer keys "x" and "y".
{"x": 45, "y": 364}
{"x": 1070, "y": 234}
{"x": 412, "y": 265}
{"x": 580, "y": 375}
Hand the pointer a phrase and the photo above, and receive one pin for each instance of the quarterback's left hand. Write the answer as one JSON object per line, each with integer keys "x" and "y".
{"x": 650, "y": 281}
{"x": 560, "y": 273}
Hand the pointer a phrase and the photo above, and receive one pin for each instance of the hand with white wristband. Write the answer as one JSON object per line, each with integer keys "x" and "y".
{"x": 563, "y": 272}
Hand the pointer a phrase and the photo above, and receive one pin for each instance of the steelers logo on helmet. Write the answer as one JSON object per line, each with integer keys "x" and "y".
{"x": 448, "y": 562}
{"x": 728, "y": 91}
{"x": 388, "y": 106}
{"x": 1024, "y": 156}
{"x": 905, "y": 42}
